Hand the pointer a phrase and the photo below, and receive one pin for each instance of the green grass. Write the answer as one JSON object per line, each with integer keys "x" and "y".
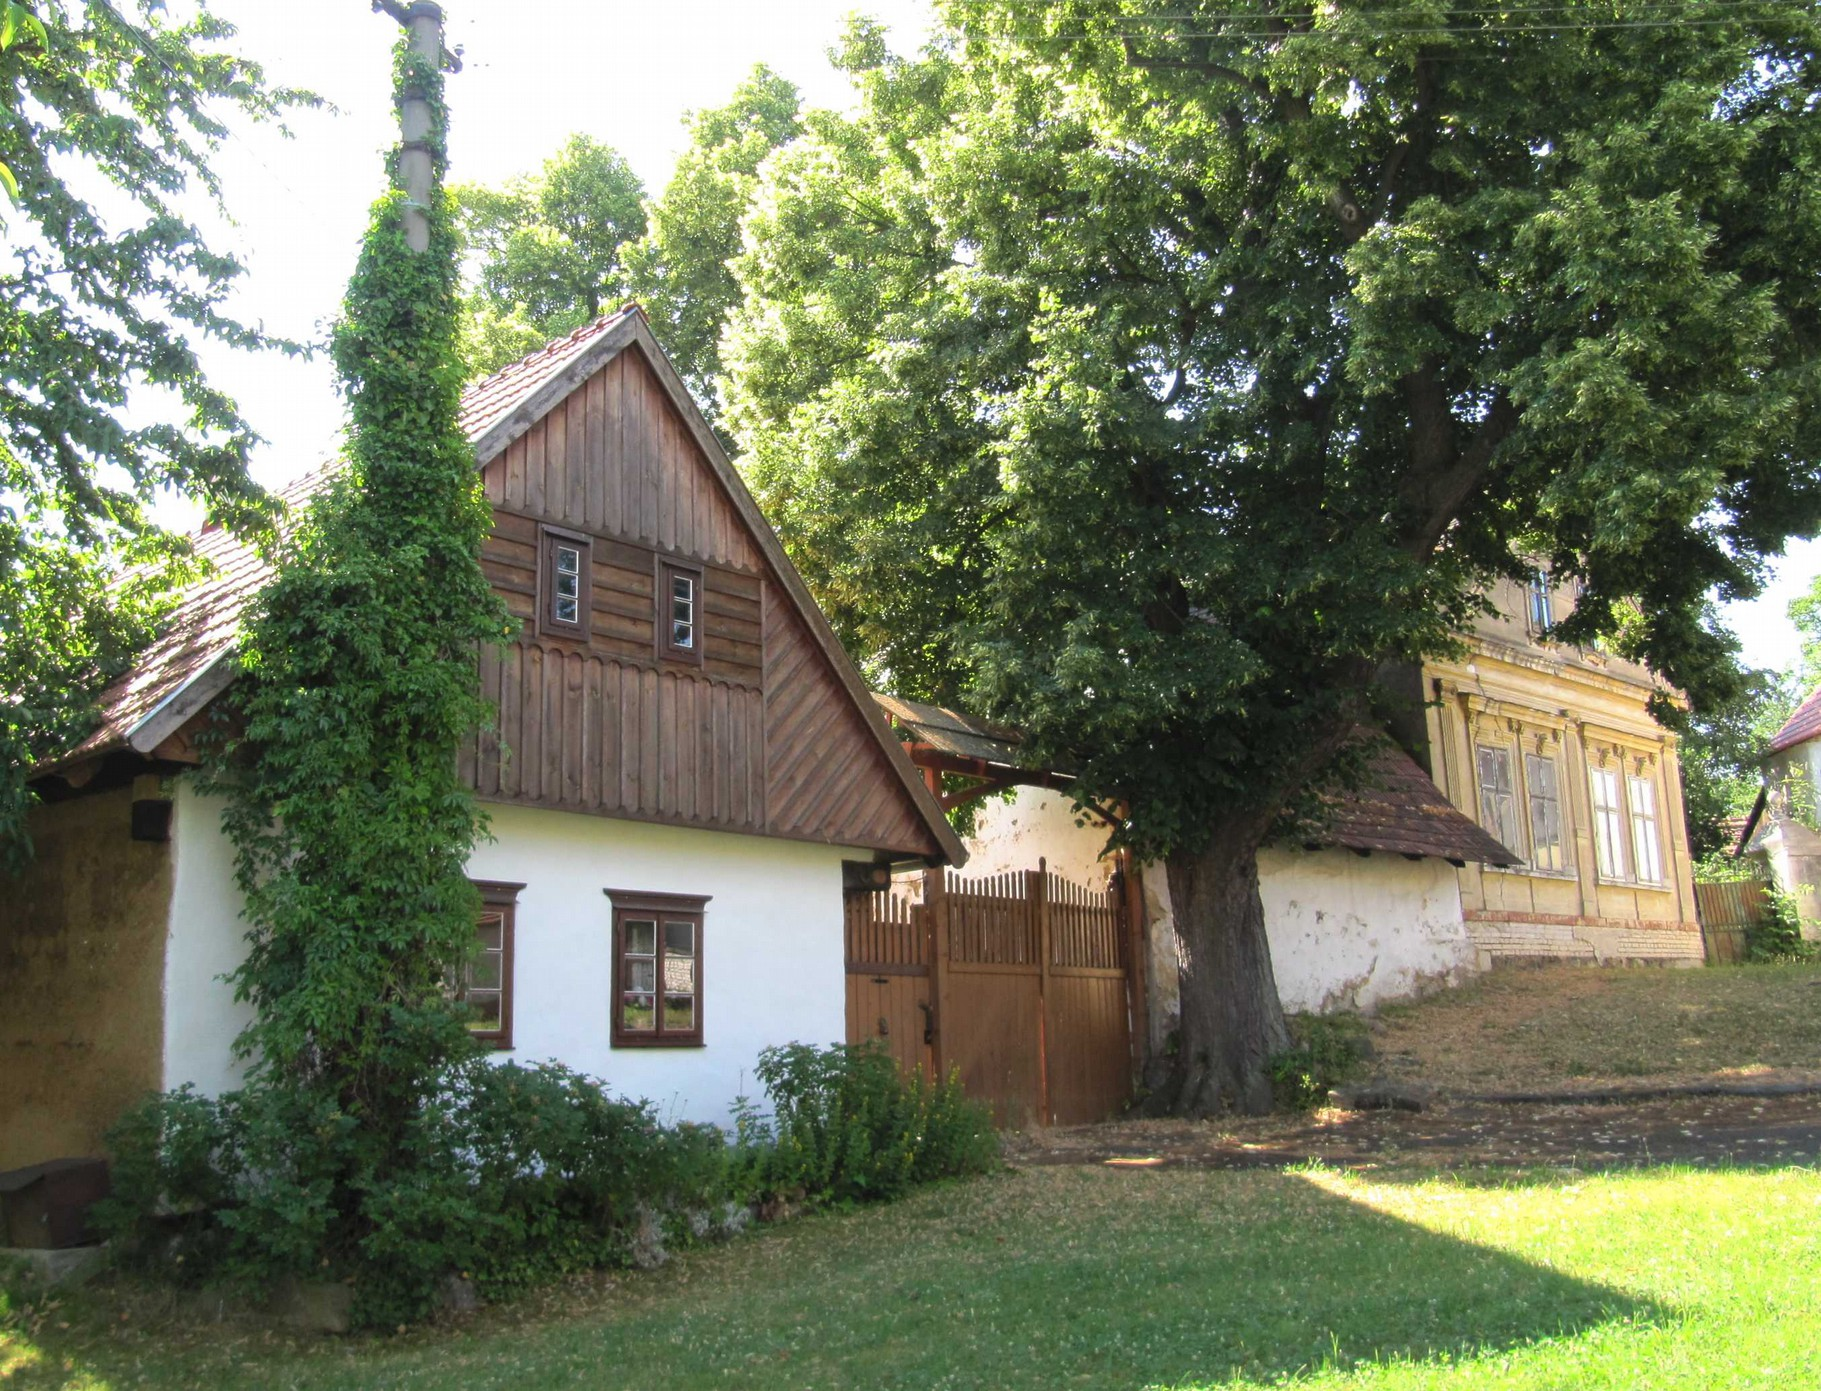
{"x": 1111, "y": 1278}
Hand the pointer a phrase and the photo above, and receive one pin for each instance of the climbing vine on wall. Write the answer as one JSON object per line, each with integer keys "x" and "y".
{"x": 350, "y": 821}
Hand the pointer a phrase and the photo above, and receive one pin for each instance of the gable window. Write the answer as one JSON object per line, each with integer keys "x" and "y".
{"x": 657, "y": 968}
{"x": 484, "y": 982}
{"x": 1538, "y": 607}
{"x": 1498, "y": 799}
{"x": 1545, "y": 796}
{"x": 679, "y": 615}
{"x": 1608, "y": 823}
{"x": 1646, "y": 852}
{"x": 565, "y": 583}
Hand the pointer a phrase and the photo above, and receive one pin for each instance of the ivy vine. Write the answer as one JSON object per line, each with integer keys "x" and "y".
{"x": 357, "y": 687}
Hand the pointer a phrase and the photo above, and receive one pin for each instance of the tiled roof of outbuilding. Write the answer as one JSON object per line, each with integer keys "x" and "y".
{"x": 1802, "y": 725}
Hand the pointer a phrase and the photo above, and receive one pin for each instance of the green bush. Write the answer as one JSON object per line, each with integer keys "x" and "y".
{"x": 1778, "y": 935}
{"x": 511, "y": 1175}
{"x": 847, "y": 1126}
{"x": 1325, "y": 1051}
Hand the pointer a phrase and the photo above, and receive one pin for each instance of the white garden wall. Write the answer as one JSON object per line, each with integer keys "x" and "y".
{"x": 1347, "y": 932}
{"x": 772, "y": 967}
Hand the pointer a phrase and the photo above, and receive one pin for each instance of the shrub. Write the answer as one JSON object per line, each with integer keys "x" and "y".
{"x": 1777, "y": 936}
{"x": 847, "y": 1126}
{"x": 1326, "y": 1051}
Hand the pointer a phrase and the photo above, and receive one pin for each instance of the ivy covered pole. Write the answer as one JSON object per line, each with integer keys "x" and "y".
{"x": 351, "y": 823}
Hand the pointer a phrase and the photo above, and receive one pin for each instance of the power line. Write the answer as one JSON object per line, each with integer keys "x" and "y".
{"x": 1650, "y": 6}
{"x": 1439, "y": 31}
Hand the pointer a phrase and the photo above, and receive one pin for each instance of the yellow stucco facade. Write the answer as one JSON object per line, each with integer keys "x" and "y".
{"x": 1553, "y": 749}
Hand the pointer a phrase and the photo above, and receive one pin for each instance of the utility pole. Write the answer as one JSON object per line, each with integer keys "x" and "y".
{"x": 423, "y": 21}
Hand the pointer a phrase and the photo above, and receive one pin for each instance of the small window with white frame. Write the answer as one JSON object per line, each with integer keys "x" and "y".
{"x": 565, "y": 583}
{"x": 1646, "y": 847}
{"x": 679, "y": 612}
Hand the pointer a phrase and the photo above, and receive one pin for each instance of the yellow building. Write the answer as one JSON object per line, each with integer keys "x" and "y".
{"x": 1554, "y": 751}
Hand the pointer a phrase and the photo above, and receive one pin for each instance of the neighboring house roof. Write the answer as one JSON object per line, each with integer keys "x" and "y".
{"x": 1400, "y": 811}
{"x": 1804, "y": 724}
{"x": 189, "y": 664}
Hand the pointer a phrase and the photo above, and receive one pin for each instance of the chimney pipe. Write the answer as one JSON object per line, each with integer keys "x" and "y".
{"x": 424, "y": 23}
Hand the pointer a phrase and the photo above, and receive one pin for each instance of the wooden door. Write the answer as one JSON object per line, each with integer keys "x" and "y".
{"x": 888, "y": 978}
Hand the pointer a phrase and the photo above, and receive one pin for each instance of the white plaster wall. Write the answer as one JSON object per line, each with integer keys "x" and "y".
{"x": 207, "y": 939}
{"x": 772, "y": 969}
{"x": 1351, "y": 933}
{"x": 1034, "y": 824}
{"x": 1346, "y": 932}
{"x": 772, "y": 954}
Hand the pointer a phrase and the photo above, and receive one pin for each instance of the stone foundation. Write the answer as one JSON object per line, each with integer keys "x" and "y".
{"x": 1504, "y": 939}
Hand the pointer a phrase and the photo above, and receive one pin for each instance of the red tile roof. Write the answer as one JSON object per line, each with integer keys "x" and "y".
{"x": 1800, "y": 727}
{"x": 206, "y": 621}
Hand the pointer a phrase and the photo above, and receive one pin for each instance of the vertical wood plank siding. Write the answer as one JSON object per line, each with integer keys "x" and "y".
{"x": 760, "y": 737}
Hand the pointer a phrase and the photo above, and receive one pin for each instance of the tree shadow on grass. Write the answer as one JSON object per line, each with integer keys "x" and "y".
{"x": 1060, "y": 1277}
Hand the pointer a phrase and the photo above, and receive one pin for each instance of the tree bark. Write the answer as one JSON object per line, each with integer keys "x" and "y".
{"x": 1232, "y": 1021}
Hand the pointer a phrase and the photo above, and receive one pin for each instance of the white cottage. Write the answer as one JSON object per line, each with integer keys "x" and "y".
{"x": 686, "y": 769}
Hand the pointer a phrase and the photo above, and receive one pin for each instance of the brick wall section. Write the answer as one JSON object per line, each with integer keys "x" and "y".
{"x": 1501, "y": 939}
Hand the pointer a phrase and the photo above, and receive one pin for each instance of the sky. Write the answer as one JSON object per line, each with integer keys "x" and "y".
{"x": 534, "y": 72}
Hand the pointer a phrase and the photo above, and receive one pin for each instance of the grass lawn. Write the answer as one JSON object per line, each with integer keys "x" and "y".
{"x": 1114, "y": 1278}
{"x": 1533, "y": 1029}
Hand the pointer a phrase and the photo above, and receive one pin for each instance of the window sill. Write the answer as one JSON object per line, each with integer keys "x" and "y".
{"x": 1566, "y": 876}
{"x": 659, "y": 1043}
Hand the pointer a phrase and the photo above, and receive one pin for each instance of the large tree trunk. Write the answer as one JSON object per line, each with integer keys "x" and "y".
{"x": 1232, "y": 1020}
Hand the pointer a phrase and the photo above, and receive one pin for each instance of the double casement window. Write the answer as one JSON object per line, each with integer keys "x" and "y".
{"x": 1525, "y": 818}
{"x": 483, "y": 984}
{"x": 1627, "y": 843}
{"x": 657, "y": 968}
{"x": 1547, "y": 850}
{"x": 1498, "y": 797}
{"x": 565, "y": 598}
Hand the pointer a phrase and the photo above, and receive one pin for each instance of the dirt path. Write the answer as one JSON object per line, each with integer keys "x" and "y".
{"x": 1692, "y": 1130}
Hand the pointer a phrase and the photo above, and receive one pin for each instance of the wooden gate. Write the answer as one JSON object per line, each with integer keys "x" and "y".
{"x": 1726, "y": 910}
{"x": 1017, "y": 982}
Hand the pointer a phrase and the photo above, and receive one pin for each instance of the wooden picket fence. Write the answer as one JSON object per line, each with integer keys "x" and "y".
{"x": 1021, "y": 983}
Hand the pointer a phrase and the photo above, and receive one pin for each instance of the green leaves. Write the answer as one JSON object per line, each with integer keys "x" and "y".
{"x": 1152, "y": 380}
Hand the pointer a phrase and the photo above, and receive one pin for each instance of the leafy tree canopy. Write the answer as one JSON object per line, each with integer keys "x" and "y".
{"x": 681, "y": 272}
{"x": 103, "y": 402}
{"x": 547, "y": 251}
{"x": 1153, "y": 374}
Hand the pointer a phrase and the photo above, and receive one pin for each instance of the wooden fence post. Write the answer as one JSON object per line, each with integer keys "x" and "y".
{"x": 1036, "y": 893}
{"x": 935, "y": 907}
{"x": 1137, "y": 964}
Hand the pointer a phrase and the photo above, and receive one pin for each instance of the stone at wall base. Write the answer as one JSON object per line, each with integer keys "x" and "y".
{"x": 312, "y": 1306}
{"x": 68, "y": 1266}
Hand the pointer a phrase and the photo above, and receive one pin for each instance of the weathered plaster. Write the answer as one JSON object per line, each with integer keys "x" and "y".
{"x": 81, "y": 943}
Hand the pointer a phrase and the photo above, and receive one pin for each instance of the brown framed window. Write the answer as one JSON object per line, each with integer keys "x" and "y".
{"x": 679, "y": 614}
{"x": 565, "y": 583}
{"x": 484, "y": 983}
{"x": 657, "y": 969}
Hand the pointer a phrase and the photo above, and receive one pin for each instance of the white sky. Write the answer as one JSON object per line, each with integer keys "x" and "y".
{"x": 534, "y": 72}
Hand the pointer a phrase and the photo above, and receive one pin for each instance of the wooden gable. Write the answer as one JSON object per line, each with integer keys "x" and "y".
{"x": 767, "y": 732}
